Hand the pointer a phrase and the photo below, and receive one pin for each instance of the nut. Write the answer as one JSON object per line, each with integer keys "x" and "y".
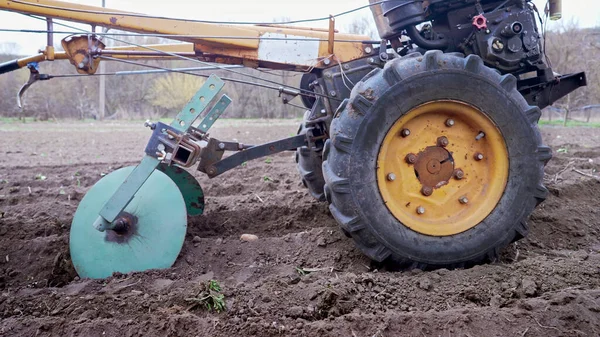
{"x": 411, "y": 158}
{"x": 391, "y": 177}
{"x": 427, "y": 191}
{"x": 442, "y": 141}
{"x": 478, "y": 156}
{"x": 459, "y": 174}
{"x": 420, "y": 210}
{"x": 449, "y": 122}
{"x": 405, "y": 132}
{"x": 463, "y": 200}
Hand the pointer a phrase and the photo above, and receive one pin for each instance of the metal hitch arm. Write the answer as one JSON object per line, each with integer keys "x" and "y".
{"x": 215, "y": 168}
{"x": 182, "y": 122}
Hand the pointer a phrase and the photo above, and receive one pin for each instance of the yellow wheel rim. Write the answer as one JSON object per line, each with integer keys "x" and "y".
{"x": 419, "y": 171}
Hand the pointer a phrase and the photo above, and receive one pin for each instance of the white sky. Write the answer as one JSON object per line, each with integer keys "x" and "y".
{"x": 585, "y": 12}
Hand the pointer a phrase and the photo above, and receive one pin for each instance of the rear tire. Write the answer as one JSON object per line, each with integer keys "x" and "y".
{"x": 357, "y": 133}
{"x": 309, "y": 162}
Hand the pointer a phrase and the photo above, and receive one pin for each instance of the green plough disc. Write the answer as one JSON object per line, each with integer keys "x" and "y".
{"x": 188, "y": 186}
{"x": 152, "y": 240}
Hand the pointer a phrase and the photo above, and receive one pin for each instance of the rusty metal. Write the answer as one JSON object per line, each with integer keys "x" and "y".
{"x": 434, "y": 166}
{"x": 420, "y": 210}
{"x": 427, "y": 191}
{"x": 79, "y": 48}
{"x": 405, "y": 132}
{"x": 478, "y": 156}
{"x": 391, "y": 177}
{"x": 459, "y": 174}
{"x": 442, "y": 141}
{"x": 463, "y": 200}
{"x": 449, "y": 122}
{"x": 411, "y": 158}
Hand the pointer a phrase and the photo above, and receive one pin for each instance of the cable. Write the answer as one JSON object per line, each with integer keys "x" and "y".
{"x": 192, "y": 20}
{"x": 172, "y": 36}
{"x": 189, "y": 59}
{"x": 310, "y": 94}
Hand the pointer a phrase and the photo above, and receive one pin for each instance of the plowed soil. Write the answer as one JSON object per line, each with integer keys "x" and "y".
{"x": 545, "y": 285}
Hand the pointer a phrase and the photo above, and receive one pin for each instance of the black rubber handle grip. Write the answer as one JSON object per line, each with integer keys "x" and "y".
{"x": 9, "y": 66}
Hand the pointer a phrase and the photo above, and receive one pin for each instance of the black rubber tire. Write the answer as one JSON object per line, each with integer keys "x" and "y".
{"x": 309, "y": 163}
{"x": 358, "y": 131}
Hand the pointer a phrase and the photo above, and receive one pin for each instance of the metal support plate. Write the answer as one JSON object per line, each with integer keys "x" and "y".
{"x": 186, "y": 117}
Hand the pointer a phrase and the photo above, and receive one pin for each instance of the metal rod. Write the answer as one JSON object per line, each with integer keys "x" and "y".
{"x": 50, "y": 32}
{"x": 138, "y": 53}
{"x": 174, "y": 36}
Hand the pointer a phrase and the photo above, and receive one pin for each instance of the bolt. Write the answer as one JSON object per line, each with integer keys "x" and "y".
{"x": 459, "y": 174}
{"x": 411, "y": 158}
{"x": 332, "y": 93}
{"x": 427, "y": 191}
{"x": 346, "y": 66}
{"x": 442, "y": 141}
{"x": 449, "y": 122}
{"x": 160, "y": 147}
{"x": 371, "y": 60}
{"x": 478, "y": 156}
{"x": 222, "y": 146}
{"x": 81, "y": 65}
{"x": 149, "y": 124}
{"x": 323, "y": 111}
{"x": 391, "y": 177}
{"x": 497, "y": 46}
{"x": 405, "y": 132}
{"x": 463, "y": 200}
{"x": 487, "y": 31}
{"x": 368, "y": 50}
{"x": 480, "y": 135}
{"x": 328, "y": 75}
{"x": 327, "y": 61}
{"x": 420, "y": 210}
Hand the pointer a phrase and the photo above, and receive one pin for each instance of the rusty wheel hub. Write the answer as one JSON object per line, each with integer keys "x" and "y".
{"x": 434, "y": 167}
{"x": 449, "y": 170}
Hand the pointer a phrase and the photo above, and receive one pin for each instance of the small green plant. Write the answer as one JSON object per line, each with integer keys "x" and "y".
{"x": 209, "y": 296}
{"x": 244, "y": 164}
{"x": 40, "y": 176}
{"x": 266, "y": 178}
{"x": 268, "y": 160}
{"x": 562, "y": 150}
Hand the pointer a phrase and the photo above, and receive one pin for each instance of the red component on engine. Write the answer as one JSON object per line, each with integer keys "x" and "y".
{"x": 480, "y": 22}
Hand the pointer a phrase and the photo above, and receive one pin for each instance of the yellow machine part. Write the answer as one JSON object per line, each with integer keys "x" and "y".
{"x": 465, "y": 175}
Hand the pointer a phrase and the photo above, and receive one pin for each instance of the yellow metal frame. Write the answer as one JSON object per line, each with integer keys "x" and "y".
{"x": 442, "y": 213}
{"x": 246, "y": 46}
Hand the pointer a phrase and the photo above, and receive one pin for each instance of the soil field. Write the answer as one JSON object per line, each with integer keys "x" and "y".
{"x": 545, "y": 285}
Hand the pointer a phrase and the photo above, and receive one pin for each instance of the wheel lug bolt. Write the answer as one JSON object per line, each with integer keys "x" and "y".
{"x": 459, "y": 174}
{"x": 405, "y": 132}
{"x": 463, "y": 200}
{"x": 391, "y": 177}
{"x": 420, "y": 210}
{"x": 427, "y": 191}
{"x": 411, "y": 158}
{"x": 449, "y": 122}
{"x": 478, "y": 156}
{"x": 442, "y": 141}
